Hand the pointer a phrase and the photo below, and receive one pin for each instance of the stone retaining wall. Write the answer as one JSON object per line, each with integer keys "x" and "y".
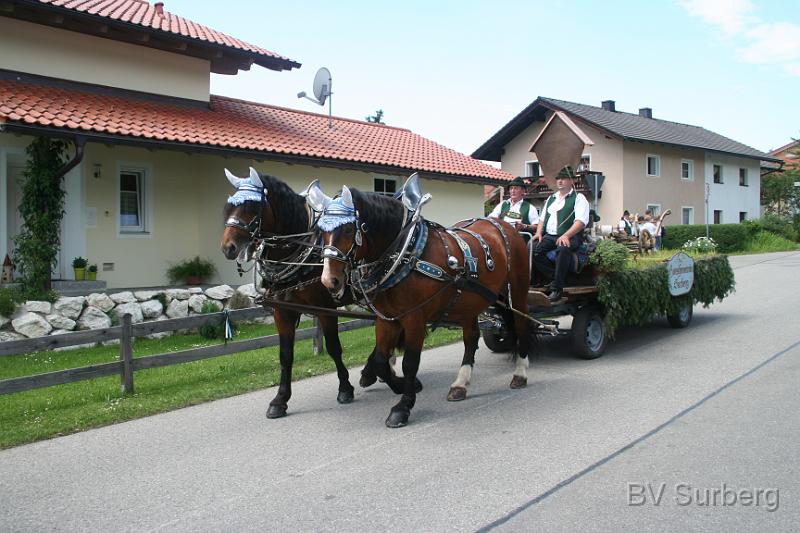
{"x": 100, "y": 310}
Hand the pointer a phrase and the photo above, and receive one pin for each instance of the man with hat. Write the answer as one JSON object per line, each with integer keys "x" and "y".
{"x": 517, "y": 211}
{"x": 565, "y": 214}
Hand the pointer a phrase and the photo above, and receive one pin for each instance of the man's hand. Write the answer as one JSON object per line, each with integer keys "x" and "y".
{"x": 563, "y": 241}
{"x": 537, "y": 237}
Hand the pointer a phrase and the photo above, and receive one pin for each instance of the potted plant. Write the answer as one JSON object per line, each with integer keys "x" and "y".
{"x": 79, "y": 266}
{"x": 92, "y": 272}
{"x": 191, "y": 271}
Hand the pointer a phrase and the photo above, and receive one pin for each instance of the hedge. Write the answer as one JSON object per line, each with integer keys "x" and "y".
{"x": 729, "y": 237}
{"x": 635, "y": 296}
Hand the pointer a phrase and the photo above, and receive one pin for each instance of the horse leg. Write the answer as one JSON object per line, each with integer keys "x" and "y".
{"x": 286, "y": 322}
{"x": 386, "y": 334}
{"x": 471, "y": 334}
{"x": 330, "y": 329}
{"x": 414, "y": 337}
{"x": 519, "y": 301}
{"x": 369, "y": 372}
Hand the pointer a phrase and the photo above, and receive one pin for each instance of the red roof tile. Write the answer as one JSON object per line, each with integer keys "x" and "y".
{"x": 235, "y": 124}
{"x": 141, "y": 13}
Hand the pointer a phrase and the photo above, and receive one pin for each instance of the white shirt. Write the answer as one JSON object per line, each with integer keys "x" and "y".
{"x": 623, "y": 223}
{"x": 650, "y": 227}
{"x": 581, "y": 211}
{"x": 533, "y": 213}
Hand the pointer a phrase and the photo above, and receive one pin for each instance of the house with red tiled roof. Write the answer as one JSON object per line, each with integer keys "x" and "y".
{"x": 129, "y": 83}
{"x": 788, "y": 153}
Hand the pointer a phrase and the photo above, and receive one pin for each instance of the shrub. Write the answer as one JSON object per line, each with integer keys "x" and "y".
{"x": 161, "y": 297}
{"x": 79, "y": 262}
{"x": 765, "y": 241}
{"x": 609, "y": 256}
{"x": 701, "y": 245}
{"x": 239, "y": 301}
{"x": 196, "y": 267}
{"x": 729, "y": 237}
{"x": 9, "y": 300}
{"x": 93, "y": 268}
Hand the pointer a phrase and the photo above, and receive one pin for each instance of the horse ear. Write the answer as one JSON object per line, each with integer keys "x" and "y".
{"x": 347, "y": 197}
{"x": 233, "y": 179}
{"x": 255, "y": 177}
{"x": 315, "y": 197}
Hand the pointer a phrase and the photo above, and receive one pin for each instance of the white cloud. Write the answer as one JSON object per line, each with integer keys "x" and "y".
{"x": 757, "y": 41}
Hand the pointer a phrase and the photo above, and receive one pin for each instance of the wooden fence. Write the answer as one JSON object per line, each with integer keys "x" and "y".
{"x": 127, "y": 364}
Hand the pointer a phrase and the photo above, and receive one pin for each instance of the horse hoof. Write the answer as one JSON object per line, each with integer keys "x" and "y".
{"x": 417, "y": 386}
{"x": 345, "y": 396}
{"x": 457, "y": 394}
{"x": 518, "y": 382}
{"x": 397, "y": 419}
{"x": 366, "y": 381}
{"x": 276, "y": 411}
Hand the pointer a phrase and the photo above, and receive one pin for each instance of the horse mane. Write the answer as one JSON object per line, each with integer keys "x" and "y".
{"x": 287, "y": 206}
{"x": 378, "y": 211}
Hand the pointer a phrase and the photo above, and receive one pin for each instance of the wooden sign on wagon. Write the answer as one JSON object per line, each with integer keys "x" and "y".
{"x": 680, "y": 274}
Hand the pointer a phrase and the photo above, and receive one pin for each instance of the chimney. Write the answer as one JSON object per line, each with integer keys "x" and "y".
{"x": 646, "y": 112}
{"x": 159, "y": 8}
{"x": 608, "y": 105}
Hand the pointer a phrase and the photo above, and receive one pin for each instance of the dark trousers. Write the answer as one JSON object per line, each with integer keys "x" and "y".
{"x": 564, "y": 258}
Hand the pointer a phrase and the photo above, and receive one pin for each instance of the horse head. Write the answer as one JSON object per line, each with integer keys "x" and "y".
{"x": 247, "y": 214}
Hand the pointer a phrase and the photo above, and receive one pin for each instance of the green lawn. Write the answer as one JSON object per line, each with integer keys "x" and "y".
{"x": 59, "y": 410}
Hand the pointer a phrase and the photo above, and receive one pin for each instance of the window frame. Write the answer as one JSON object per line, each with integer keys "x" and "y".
{"x": 691, "y": 214}
{"x": 145, "y": 199}
{"x": 742, "y": 218}
{"x": 657, "y": 159}
{"x": 714, "y": 216}
{"x": 656, "y": 211}
{"x": 531, "y": 163}
{"x": 690, "y": 166}
{"x": 385, "y": 180}
{"x": 746, "y": 180}
{"x": 586, "y": 156}
{"x": 721, "y": 174}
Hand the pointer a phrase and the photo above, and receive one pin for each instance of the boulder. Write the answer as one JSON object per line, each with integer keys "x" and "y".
{"x": 123, "y": 297}
{"x": 196, "y": 302}
{"x": 195, "y": 290}
{"x": 60, "y": 322}
{"x": 4, "y": 321}
{"x": 11, "y": 336}
{"x": 101, "y": 301}
{"x": 178, "y": 309}
{"x": 220, "y": 292}
{"x": 31, "y": 325}
{"x": 132, "y": 308}
{"x": 36, "y": 306}
{"x": 69, "y": 306}
{"x": 143, "y": 296}
{"x": 152, "y": 309}
{"x": 93, "y": 318}
{"x": 178, "y": 294}
{"x": 248, "y": 290}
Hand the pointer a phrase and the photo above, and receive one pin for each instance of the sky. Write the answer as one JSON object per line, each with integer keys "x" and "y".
{"x": 457, "y": 71}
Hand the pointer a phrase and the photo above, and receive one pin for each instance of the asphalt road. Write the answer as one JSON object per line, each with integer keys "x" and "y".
{"x": 670, "y": 430}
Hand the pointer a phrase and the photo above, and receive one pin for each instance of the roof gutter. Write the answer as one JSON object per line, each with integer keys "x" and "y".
{"x": 29, "y": 129}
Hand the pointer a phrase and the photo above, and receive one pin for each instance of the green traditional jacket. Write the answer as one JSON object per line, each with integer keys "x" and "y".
{"x": 524, "y": 210}
{"x": 566, "y": 215}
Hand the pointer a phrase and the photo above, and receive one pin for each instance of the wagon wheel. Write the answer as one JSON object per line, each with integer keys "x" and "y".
{"x": 499, "y": 342}
{"x": 682, "y": 318}
{"x": 589, "y": 338}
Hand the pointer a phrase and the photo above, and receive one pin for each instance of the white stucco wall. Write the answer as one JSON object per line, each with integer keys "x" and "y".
{"x": 729, "y": 196}
{"x": 188, "y": 193}
{"x": 45, "y": 51}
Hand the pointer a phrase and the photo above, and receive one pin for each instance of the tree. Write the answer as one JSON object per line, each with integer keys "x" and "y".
{"x": 41, "y": 208}
{"x": 779, "y": 194}
{"x": 377, "y": 117}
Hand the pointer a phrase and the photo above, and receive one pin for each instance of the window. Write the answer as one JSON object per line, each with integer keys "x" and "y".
{"x": 386, "y": 186}
{"x": 532, "y": 169}
{"x": 586, "y": 163}
{"x": 687, "y": 169}
{"x": 687, "y": 215}
{"x": 718, "y": 174}
{"x": 653, "y": 165}
{"x": 742, "y": 216}
{"x": 717, "y": 216}
{"x": 132, "y": 201}
{"x": 743, "y": 177}
{"x": 655, "y": 210}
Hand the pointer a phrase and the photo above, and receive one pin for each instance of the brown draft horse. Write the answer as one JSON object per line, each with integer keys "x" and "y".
{"x": 359, "y": 234}
{"x": 264, "y": 209}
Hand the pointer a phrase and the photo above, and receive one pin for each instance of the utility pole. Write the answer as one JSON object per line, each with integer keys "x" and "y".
{"x": 708, "y": 193}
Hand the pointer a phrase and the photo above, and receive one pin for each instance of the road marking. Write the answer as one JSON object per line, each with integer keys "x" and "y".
{"x": 552, "y": 490}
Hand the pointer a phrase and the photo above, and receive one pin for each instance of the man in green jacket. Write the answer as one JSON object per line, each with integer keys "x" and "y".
{"x": 564, "y": 215}
{"x": 517, "y": 211}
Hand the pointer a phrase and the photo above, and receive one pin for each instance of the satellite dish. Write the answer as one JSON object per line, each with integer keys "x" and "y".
{"x": 322, "y": 91}
{"x": 322, "y": 85}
